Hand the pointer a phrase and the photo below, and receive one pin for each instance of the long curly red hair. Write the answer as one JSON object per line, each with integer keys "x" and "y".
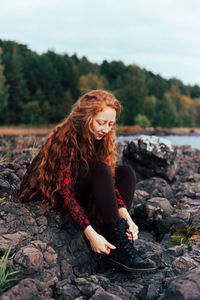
{"x": 74, "y": 134}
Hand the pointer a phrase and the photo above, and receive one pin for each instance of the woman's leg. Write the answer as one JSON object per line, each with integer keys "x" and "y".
{"x": 126, "y": 183}
{"x": 99, "y": 182}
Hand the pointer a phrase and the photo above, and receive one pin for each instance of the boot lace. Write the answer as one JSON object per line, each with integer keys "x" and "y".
{"x": 128, "y": 245}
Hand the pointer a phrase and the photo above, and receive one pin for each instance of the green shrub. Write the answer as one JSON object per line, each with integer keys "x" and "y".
{"x": 142, "y": 121}
{"x": 3, "y": 272}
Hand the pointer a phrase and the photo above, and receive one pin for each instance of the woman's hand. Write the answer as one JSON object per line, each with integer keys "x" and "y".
{"x": 98, "y": 243}
{"x": 132, "y": 230}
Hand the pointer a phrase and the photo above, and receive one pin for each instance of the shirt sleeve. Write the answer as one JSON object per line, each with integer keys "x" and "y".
{"x": 70, "y": 202}
{"x": 120, "y": 201}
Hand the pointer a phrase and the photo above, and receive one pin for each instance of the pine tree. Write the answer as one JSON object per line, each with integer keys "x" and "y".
{"x": 19, "y": 95}
{"x": 3, "y": 93}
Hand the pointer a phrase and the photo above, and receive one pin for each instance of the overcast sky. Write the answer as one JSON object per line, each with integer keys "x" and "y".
{"x": 162, "y": 36}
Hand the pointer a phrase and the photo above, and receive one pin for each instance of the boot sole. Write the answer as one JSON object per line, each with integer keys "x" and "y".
{"x": 115, "y": 263}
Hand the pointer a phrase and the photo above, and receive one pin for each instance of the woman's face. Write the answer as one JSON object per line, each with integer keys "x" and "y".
{"x": 103, "y": 122}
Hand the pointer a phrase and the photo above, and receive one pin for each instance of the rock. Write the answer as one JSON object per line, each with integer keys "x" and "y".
{"x": 158, "y": 215}
{"x": 162, "y": 203}
{"x": 54, "y": 259}
{"x": 12, "y": 240}
{"x": 179, "y": 220}
{"x": 146, "y": 248}
{"x": 38, "y": 257}
{"x": 119, "y": 149}
{"x": 100, "y": 294}
{"x": 156, "y": 187}
{"x": 152, "y": 292}
{"x": 140, "y": 197}
{"x": 66, "y": 290}
{"x": 151, "y": 156}
{"x": 30, "y": 257}
{"x": 158, "y": 212}
{"x": 195, "y": 223}
{"x": 186, "y": 286}
{"x": 28, "y": 289}
{"x": 9, "y": 181}
{"x": 181, "y": 265}
{"x": 10, "y": 166}
{"x": 4, "y": 188}
{"x": 86, "y": 287}
{"x": 188, "y": 164}
{"x": 186, "y": 189}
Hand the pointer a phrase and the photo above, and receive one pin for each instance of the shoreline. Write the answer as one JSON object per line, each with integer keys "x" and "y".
{"x": 120, "y": 131}
{"x": 163, "y": 132}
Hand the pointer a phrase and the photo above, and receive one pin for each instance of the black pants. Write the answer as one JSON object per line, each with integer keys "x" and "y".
{"x": 97, "y": 187}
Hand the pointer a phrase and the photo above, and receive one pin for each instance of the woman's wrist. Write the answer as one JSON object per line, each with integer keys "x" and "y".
{"x": 123, "y": 213}
{"x": 90, "y": 232}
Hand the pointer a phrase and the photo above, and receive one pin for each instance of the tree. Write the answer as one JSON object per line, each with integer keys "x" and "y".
{"x": 150, "y": 107}
{"x": 196, "y": 105}
{"x": 142, "y": 121}
{"x": 132, "y": 95}
{"x": 55, "y": 81}
{"x": 165, "y": 113}
{"x": 19, "y": 94}
{"x": 91, "y": 82}
{"x": 195, "y": 91}
{"x": 85, "y": 66}
{"x": 189, "y": 114}
{"x": 156, "y": 85}
{"x": 32, "y": 113}
{"x": 174, "y": 96}
{"x": 115, "y": 73}
{"x": 3, "y": 93}
{"x": 68, "y": 102}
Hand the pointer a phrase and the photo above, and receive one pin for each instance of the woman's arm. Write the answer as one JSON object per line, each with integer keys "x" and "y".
{"x": 98, "y": 243}
{"x": 132, "y": 230}
{"x": 74, "y": 209}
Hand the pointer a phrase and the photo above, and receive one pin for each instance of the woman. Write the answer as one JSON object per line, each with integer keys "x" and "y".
{"x": 76, "y": 171}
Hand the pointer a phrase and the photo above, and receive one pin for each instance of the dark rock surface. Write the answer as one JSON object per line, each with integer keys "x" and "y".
{"x": 151, "y": 156}
{"x": 55, "y": 261}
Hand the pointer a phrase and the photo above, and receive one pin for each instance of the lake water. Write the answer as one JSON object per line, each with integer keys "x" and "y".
{"x": 193, "y": 141}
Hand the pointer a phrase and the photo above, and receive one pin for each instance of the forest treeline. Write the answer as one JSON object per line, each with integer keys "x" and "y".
{"x": 40, "y": 89}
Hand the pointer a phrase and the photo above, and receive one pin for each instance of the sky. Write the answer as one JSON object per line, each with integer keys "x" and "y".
{"x": 162, "y": 36}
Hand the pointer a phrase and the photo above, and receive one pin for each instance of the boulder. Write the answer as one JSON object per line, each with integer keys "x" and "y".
{"x": 186, "y": 286}
{"x": 29, "y": 289}
{"x": 12, "y": 240}
{"x": 156, "y": 187}
{"x": 9, "y": 179}
{"x": 151, "y": 156}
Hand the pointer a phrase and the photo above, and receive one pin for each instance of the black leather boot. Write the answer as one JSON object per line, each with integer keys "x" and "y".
{"x": 125, "y": 255}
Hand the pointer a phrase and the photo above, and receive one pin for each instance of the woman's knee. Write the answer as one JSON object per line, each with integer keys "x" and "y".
{"x": 126, "y": 172}
{"x": 101, "y": 168}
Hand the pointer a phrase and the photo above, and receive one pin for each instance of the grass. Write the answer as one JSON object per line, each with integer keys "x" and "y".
{"x": 2, "y": 159}
{"x": 46, "y": 129}
{"x": 7, "y": 156}
{"x": 197, "y": 187}
{"x": 34, "y": 150}
{"x": 4, "y": 275}
{"x": 128, "y": 129}
{"x": 3, "y": 201}
{"x": 186, "y": 236}
{"x": 24, "y": 131}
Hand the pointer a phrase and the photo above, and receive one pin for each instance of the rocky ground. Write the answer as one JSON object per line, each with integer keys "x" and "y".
{"x": 55, "y": 261}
